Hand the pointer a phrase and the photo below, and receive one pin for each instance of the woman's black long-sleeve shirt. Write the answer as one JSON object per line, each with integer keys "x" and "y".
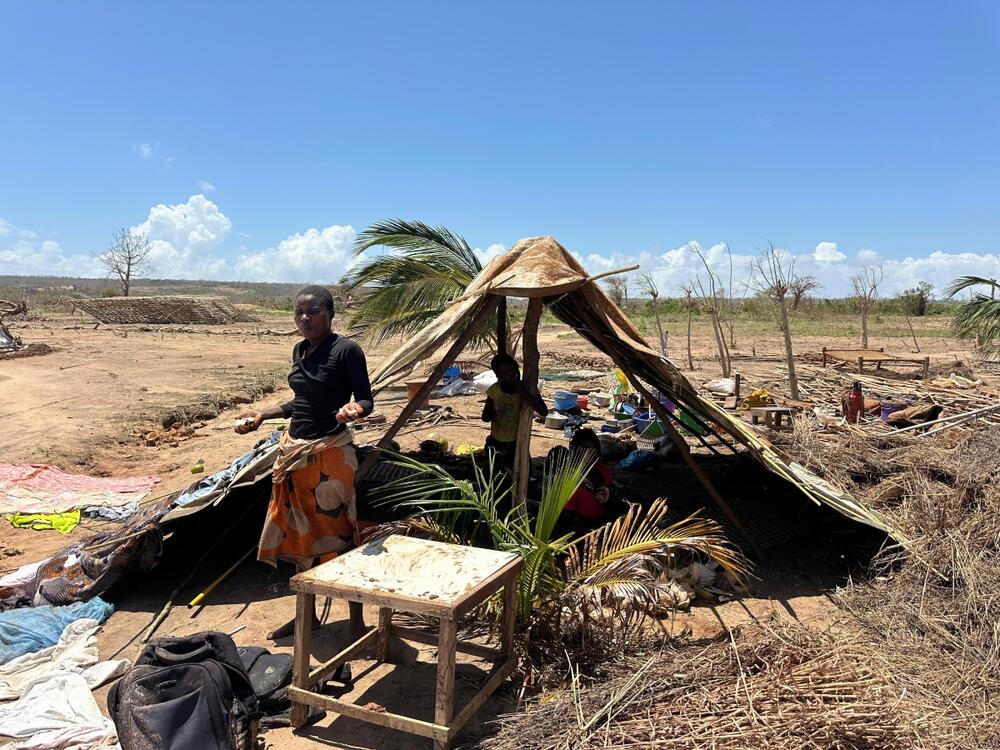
{"x": 334, "y": 374}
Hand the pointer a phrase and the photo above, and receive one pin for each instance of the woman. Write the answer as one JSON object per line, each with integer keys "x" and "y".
{"x": 312, "y": 515}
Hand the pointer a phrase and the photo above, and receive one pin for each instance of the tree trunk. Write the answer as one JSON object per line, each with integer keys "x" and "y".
{"x": 793, "y": 381}
{"x": 659, "y": 328}
{"x": 529, "y": 348}
{"x": 864, "y": 327}
{"x": 125, "y": 286}
{"x": 690, "y": 360}
{"x": 912, "y": 334}
{"x": 720, "y": 342}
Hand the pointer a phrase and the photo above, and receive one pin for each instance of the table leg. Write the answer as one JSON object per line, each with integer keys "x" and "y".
{"x": 509, "y": 616}
{"x": 384, "y": 633}
{"x": 305, "y": 607}
{"x": 444, "y": 696}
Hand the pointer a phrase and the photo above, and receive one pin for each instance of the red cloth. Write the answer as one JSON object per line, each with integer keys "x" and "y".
{"x": 40, "y": 488}
{"x": 584, "y": 501}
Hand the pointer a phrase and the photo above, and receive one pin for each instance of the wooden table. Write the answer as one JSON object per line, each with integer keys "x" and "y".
{"x": 445, "y": 581}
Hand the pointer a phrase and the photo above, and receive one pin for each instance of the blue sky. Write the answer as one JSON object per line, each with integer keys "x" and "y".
{"x": 252, "y": 140}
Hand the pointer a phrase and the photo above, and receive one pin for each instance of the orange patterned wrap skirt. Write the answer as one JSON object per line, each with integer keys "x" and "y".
{"x": 312, "y": 514}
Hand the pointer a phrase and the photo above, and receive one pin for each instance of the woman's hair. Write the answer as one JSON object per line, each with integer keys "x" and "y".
{"x": 503, "y": 359}
{"x": 319, "y": 292}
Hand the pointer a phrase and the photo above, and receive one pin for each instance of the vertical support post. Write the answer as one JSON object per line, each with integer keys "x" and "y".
{"x": 305, "y": 608}
{"x": 444, "y": 694}
{"x": 502, "y": 326}
{"x": 509, "y": 616}
{"x": 824, "y": 356}
{"x": 927, "y": 367}
{"x": 425, "y": 389}
{"x": 529, "y": 373}
{"x": 861, "y": 365}
{"x": 736, "y": 391}
{"x": 685, "y": 452}
{"x": 384, "y": 634}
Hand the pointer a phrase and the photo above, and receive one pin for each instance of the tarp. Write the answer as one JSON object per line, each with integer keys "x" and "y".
{"x": 541, "y": 267}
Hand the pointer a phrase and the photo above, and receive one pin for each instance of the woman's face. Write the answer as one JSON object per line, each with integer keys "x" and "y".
{"x": 311, "y": 316}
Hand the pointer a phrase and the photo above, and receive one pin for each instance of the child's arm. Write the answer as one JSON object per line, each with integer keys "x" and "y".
{"x": 534, "y": 401}
{"x": 489, "y": 411}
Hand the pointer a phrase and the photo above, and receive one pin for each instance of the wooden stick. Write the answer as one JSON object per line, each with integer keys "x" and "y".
{"x": 444, "y": 693}
{"x": 502, "y": 326}
{"x": 529, "y": 347}
{"x": 211, "y": 587}
{"x": 598, "y": 276}
{"x": 456, "y": 348}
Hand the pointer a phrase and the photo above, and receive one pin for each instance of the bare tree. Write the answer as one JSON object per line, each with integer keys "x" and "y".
{"x": 618, "y": 290}
{"x": 711, "y": 294}
{"x": 865, "y": 286}
{"x": 127, "y": 257}
{"x": 690, "y": 303}
{"x": 647, "y": 285}
{"x": 800, "y": 287}
{"x": 773, "y": 275}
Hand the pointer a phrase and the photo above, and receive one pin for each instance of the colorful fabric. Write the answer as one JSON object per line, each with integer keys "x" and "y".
{"x": 507, "y": 407}
{"x": 312, "y": 513}
{"x": 64, "y": 523}
{"x": 40, "y": 488}
{"x": 29, "y": 629}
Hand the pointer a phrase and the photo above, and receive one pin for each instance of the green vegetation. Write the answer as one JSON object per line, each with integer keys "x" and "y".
{"x": 979, "y": 317}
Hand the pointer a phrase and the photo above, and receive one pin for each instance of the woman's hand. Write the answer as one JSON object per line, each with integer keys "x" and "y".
{"x": 349, "y": 412}
{"x": 248, "y": 421}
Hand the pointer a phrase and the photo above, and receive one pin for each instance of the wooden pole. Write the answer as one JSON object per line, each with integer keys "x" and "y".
{"x": 529, "y": 347}
{"x": 502, "y": 327}
{"x": 425, "y": 389}
{"x": 685, "y": 452}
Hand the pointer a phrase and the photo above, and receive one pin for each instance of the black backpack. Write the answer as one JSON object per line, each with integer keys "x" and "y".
{"x": 184, "y": 693}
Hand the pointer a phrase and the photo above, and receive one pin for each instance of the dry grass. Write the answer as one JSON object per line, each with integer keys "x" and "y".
{"x": 914, "y": 662}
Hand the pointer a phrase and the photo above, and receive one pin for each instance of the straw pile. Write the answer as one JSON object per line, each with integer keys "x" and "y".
{"x": 128, "y": 310}
{"x": 767, "y": 687}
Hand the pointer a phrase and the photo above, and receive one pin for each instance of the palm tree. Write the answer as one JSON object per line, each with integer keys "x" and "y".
{"x": 614, "y": 571}
{"x": 404, "y": 290}
{"x": 979, "y": 317}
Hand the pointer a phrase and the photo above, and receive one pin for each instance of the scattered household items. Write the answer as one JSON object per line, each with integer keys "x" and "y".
{"x": 55, "y": 713}
{"x": 186, "y": 692}
{"x": 758, "y": 397}
{"x": 8, "y": 341}
{"x": 555, "y": 420}
{"x": 853, "y": 403}
{"x": 64, "y": 523}
{"x": 456, "y": 387}
{"x": 40, "y": 488}
{"x": 128, "y": 310}
{"x": 878, "y": 356}
{"x": 953, "y": 420}
{"x": 29, "y": 629}
{"x": 602, "y": 400}
{"x": 914, "y": 415}
{"x": 75, "y": 652}
{"x": 434, "y": 579}
{"x": 564, "y": 400}
{"x": 721, "y": 387}
{"x": 774, "y": 417}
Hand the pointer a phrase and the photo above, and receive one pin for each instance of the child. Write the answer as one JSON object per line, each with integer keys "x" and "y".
{"x": 503, "y": 406}
{"x": 589, "y": 501}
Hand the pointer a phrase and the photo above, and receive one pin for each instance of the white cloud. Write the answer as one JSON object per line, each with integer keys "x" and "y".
{"x": 46, "y": 258}
{"x": 485, "y": 256}
{"x": 320, "y": 255}
{"x": 5, "y": 227}
{"x": 205, "y": 186}
{"x": 184, "y": 237}
{"x": 827, "y": 252}
{"x": 869, "y": 256}
{"x": 145, "y": 150}
{"x": 26, "y": 234}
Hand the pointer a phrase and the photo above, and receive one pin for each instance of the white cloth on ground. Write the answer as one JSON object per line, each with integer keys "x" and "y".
{"x": 57, "y": 713}
{"x": 76, "y": 651}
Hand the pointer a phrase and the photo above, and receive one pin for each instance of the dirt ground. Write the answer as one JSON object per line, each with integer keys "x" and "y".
{"x": 82, "y": 407}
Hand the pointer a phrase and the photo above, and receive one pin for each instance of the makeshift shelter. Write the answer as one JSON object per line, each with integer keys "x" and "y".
{"x": 163, "y": 310}
{"x": 542, "y": 270}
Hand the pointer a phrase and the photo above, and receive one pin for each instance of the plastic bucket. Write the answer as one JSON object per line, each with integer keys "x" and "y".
{"x": 642, "y": 420}
{"x": 564, "y": 400}
{"x": 452, "y": 374}
{"x": 582, "y": 402}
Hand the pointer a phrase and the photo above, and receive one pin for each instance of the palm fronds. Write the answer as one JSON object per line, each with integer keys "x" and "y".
{"x": 405, "y": 289}
{"x": 979, "y": 317}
